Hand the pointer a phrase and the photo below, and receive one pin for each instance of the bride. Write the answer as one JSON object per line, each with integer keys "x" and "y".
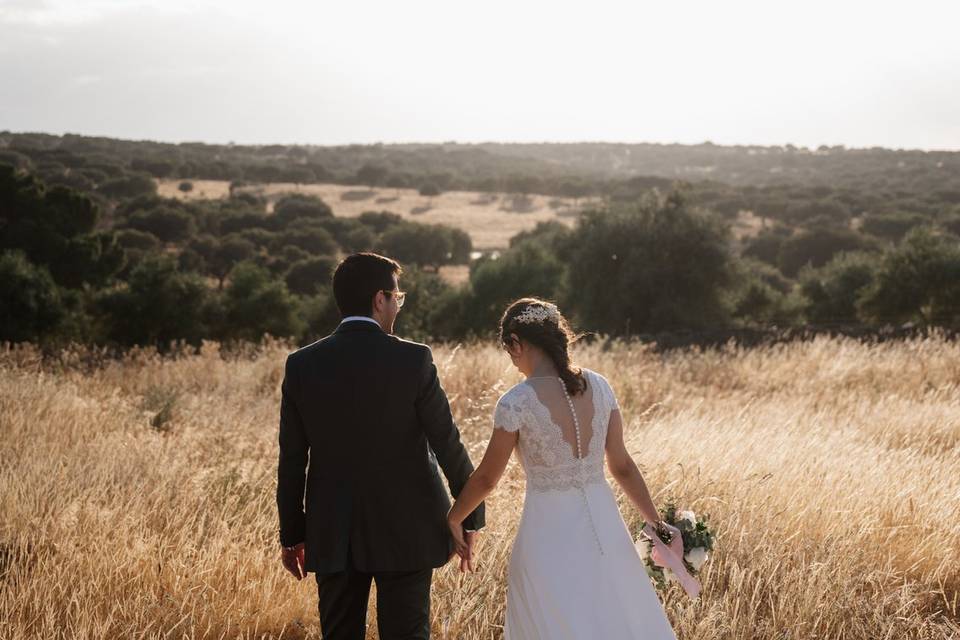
{"x": 574, "y": 572}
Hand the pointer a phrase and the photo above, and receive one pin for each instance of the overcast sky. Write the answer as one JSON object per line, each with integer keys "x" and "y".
{"x": 770, "y": 72}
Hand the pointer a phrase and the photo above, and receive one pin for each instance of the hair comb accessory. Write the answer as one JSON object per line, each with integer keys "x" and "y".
{"x": 539, "y": 313}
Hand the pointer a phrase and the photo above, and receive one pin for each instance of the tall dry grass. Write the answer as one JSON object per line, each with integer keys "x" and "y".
{"x": 137, "y": 496}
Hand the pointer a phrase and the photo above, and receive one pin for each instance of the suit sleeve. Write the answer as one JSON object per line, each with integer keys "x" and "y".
{"x": 292, "y": 468}
{"x": 444, "y": 437}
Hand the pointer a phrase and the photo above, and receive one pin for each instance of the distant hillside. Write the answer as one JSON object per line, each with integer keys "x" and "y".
{"x": 749, "y": 165}
{"x": 557, "y": 169}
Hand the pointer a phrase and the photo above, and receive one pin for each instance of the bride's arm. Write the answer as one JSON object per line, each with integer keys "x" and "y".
{"x": 486, "y": 476}
{"x": 482, "y": 481}
{"x": 625, "y": 471}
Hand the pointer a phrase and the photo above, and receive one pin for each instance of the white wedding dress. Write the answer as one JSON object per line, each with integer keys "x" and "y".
{"x": 574, "y": 572}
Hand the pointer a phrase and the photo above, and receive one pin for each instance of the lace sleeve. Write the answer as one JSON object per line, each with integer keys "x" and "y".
{"x": 614, "y": 405}
{"x": 611, "y": 397}
{"x": 506, "y": 416}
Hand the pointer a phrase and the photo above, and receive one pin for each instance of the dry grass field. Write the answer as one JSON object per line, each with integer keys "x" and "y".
{"x": 488, "y": 218}
{"x": 137, "y": 496}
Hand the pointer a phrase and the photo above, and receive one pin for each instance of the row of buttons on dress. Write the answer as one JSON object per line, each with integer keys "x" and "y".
{"x": 583, "y": 490}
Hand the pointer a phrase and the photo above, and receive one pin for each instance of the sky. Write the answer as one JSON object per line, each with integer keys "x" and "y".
{"x": 842, "y": 72}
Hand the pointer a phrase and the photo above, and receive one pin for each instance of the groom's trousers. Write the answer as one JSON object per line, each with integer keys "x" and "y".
{"x": 403, "y": 604}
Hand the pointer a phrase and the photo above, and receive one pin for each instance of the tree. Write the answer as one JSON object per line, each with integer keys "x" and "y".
{"x": 296, "y": 206}
{"x": 157, "y": 167}
{"x": 372, "y": 175}
{"x": 652, "y": 266}
{"x": 185, "y": 186}
{"x": 765, "y": 246}
{"x": 128, "y": 186}
{"x": 242, "y": 220}
{"x": 136, "y": 239}
{"x": 310, "y": 237}
{"x": 574, "y": 188}
{"x": 398, "y": 181}
{"x": 917, "y": 281}
{"x": 831, "y": 292}
{"x": 891, "y": 226}
{"x": 167, "y": 223}
{"x": 420, "y": 244}
{"x": 88, "y": 259}
{"x": 30, "y": 304}
{"x": 380, "y": 221}
{"x": 529, "y": 269}
{"x": 418, "y": 316}
{"x": 816, "y": 247}
{"x": 461, "y": 246}
{"x": 550, "y": 234}
{"x": 297, "y": 175}
{"x": 350, "y": 234}
{"x": 54, "y": 228}
{"x": 256, "y": 305}
{"x": 311, "y": 275}
{"x": 158, "y": 306}
{"x": 804, "y": 211}
{"x": 221, "y": 256}
{"x": 429, "y": 189}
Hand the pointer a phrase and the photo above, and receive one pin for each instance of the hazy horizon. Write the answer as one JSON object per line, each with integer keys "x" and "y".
{"x": 466, "y": 142}
{"x": 859, "y": 75}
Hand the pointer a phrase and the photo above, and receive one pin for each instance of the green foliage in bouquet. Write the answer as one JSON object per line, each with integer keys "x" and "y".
{"x": 697, "y": 542}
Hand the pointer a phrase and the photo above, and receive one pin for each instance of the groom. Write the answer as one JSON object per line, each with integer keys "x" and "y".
{"x": 369, "y": 411}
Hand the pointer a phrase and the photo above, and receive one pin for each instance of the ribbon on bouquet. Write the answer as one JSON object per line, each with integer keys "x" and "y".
{"x": 671, "y": 557}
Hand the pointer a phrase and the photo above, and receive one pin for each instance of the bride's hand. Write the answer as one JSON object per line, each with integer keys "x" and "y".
{"x": 677, "y": 535}
{"x": 459, "y": 539}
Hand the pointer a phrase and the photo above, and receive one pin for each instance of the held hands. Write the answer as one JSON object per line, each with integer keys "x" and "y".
{"x": 463, "y": 544}
{"x": 292, "y": 558}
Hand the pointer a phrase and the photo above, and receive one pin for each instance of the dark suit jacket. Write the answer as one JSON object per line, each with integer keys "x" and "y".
{"x": 369, "y": 411}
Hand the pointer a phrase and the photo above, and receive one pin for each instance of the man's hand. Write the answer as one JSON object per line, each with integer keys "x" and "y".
{"x": 292, "y": 559}
{"x": 466, "y": 563}
{"x": 463, "y": 544}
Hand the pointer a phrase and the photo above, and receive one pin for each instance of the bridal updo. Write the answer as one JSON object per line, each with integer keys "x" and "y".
{"x": 540, "y": 323}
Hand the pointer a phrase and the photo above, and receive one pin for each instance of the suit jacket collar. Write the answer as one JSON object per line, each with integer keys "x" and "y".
{"x": 359, "y": 325}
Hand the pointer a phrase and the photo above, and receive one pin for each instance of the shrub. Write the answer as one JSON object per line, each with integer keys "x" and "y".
{"x": 30, "y": 304}
{"x": 652, "y": 266}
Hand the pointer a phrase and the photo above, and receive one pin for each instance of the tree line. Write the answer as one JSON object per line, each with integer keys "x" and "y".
{"x": 883, "y": 193}
{"x": 151, "y": 271}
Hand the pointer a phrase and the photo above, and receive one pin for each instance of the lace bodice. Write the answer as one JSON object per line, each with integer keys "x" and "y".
{"x": 549, "y": 461}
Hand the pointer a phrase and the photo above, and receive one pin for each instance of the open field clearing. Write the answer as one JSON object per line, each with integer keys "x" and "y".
{"x": 137, "y": 496}
{"x": 488, "y": 218}
{"x": 491, "y": 219}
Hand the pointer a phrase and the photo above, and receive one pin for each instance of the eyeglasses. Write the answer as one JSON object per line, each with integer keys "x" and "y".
{"x": 400, "y": 295}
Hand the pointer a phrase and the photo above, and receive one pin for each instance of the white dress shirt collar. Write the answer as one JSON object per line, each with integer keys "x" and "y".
{"x": 364, "y": 318}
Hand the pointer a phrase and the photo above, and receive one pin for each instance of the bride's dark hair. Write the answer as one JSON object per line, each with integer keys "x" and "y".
{"x": 553, "y": 335}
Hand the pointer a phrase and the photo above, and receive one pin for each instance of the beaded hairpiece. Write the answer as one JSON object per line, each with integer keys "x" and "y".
{"x": 539, "y": 313}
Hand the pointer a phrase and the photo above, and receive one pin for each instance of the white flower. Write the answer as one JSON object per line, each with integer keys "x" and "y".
{"x": 689, "y": 516}
{"x": 696, "y": 557}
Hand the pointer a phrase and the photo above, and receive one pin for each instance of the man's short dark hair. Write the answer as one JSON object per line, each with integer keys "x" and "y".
{"x": 358, "y": 278}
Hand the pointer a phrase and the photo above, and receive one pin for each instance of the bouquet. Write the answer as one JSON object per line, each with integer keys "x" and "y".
{"x": 668, "y": 560}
